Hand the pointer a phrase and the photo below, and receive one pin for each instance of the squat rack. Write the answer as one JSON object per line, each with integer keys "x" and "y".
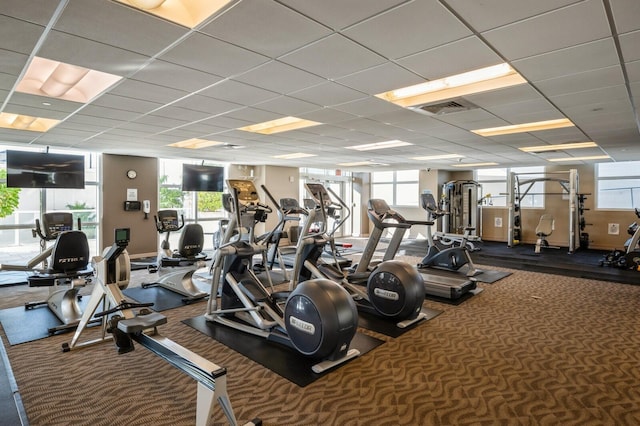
{"x": 518, "y": 189}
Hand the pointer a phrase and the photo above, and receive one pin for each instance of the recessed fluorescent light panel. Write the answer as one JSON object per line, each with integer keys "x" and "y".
{"x": 195, "y": 143}
{"x": 526, "y": 127}
{"x": 26, "y": 122}
{"x": 480, "y": 80}
{"x": 474, "y": 165}
{"x": 189, "y": 13}
{"x": 280, "y": 125}
{"x": 562, "y": 146}
{"x": 379, "y": 145}
{"x": 592, "y": 157}
{"x": 294, "y": 156}
{"x": 358, "y": 163}
{"x": 54, "y": 79}
{"x": 438, "y": 157}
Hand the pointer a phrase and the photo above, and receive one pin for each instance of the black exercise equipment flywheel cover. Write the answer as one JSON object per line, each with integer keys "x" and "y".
{"x": 396, "y": 290}
{"x": 321, "y": 318}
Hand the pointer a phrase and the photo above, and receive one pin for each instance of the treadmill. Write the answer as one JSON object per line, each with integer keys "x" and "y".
{"x": 448, "y": 285}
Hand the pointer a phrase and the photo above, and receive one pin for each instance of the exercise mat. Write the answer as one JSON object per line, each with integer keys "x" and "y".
{"x": 23, "y": 325}
{"x": 161, "y": 298}
{"x": 280, "y": 359}
{"x": 13, "y": 277}
{"x": 389, "y": 328}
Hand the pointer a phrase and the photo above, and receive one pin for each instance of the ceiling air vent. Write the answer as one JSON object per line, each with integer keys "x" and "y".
{"x": 446, "y": 107}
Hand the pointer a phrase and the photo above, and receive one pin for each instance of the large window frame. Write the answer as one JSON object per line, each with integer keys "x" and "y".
{"x": 494, "y": 182}
{"x": 617, "y": 185}
{"x": 399, "y": 188}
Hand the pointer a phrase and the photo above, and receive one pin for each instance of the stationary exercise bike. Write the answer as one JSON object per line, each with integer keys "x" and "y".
{"x": 452, "y": 258}
{"x": 317, "y": 318}
{"x": 65, "y": 268}
{"x": 392, "y": 290}
{"x": 177, "y": 267}
{"x": 629, "y": 258}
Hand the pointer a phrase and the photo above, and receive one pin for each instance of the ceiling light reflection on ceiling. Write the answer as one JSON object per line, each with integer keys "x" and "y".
{"x": 279, "y": 125}
{"x": 525, "y": 127}
{"x": 562, "y": 146}
{"x": 474, "y": 165}
{"x": 379, "y": 145}
{"x": 294, "y": 156}
{"x": 360, "y": 163}
{"x": 26, "y": 122}
{"x": 189, "y": 13}
{"x": 195, "y": 143}
{"x": 591, "y": 157}
{"x": 54, "y": 79}
{"x": 438, "y": 157}
{"x": 480, "y": 80}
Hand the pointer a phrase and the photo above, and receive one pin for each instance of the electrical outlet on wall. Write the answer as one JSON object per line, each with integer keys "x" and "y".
{"x": 497, "y": 222}
{"x": 614, "y": 229}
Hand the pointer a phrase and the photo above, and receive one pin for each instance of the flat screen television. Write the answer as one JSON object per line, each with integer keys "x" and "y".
{"x": 202, "y": 178}
{"x": 44, "y": 170}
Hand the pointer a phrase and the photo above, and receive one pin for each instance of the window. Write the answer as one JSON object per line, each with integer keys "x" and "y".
{"x": 399, "y": 188}
{"x": 618, "y": 185}
{"x": 494, "y": 182}
{"x": 17, "y": 242}
{"x": 204, "y": 208}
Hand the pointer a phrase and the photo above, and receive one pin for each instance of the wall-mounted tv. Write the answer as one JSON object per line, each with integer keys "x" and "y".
{"x": 44, "y": 170}
{"x": 202, "y": 178}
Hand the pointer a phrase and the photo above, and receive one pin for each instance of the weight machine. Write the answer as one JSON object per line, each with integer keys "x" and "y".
{"x": 520, "y": 188}
{"x": 461, "y": 201}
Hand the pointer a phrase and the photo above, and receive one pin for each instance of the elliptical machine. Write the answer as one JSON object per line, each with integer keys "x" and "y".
{"x": 452, "y": 258}
{"x": 393, "y": 290}
{"x": 317, "y": 318}
{"x": 67, "y": 271}
{"x": 177, "y": 267}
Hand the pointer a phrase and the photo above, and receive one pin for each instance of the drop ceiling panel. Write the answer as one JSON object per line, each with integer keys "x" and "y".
{"x": 185, "y": 115}
{"x": 206, "y": 104}
{"x": 286, "y": 106}
{"x": 592, "y": 98}
{"x": 12, "y": 65}
{"x": 33, "y": 11}
{"x": 571, "y": 60}
{"x": 153, "y": 92}
{"x": 333, "y": 57}
{"x": 90, "y": 54}
{"x": 57, "y": 105}
{"x": 203, "y": 53}
{"x": 453, "y": 58}
{"x": 407, "y": 33}
{"x": 175, "y": 76}
{"x": 338, "y": 14}
{"x": 29, "y": 35}
{"x": 589, "y": 80}
{"x": 328, "y": 94}
{"x": 484, "y": 16}
{"x": 279, "y": 78}
{"x": 367, "y": 106}
{"x": 34, "y": 111}
{"x": 509, "y": 95}
{"x": 381, "y": 78}
{"x": 630, "y": 45}
{"x": 327, "y": 116}
{"x": 115, "y": 24}
{"x": 549, "y": 31}
{"x": 265, "y": 27}
{"x": 125, "y": 104}
{"x": 625, "y": 13}
{"x": 633, "y": 71}
{"x": 237, "y": 92}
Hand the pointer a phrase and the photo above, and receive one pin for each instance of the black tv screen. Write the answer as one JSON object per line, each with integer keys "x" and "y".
{"x": 44, "y": 170}
{"x": 202, "y": 178}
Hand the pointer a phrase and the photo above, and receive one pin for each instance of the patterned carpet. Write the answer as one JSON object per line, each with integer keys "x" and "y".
{"x": 532, "y": 349}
